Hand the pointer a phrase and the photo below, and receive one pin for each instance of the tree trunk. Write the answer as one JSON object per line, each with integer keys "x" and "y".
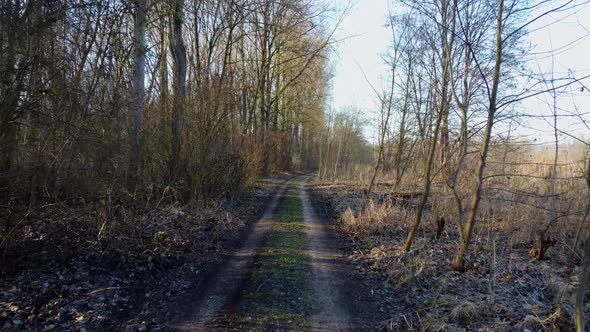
{"x": 427, "y": 185}
{"x": 10, "y": 91}
{"x": 476, "y": 195}
{"x": 463, "y": 106}
{"x": 139, "y": 50}
{"x": 398, "y": 157}
{"x": 179, "y": 86}
{"x": 163, "y": 75}
{"x": 444, "y": 94}
{"x": 384, "y": 128}
{"x": 584, "y": 280}
{"x": 446, "y": 66}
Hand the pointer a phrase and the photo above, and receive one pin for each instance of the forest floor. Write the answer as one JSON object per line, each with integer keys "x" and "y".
{"x": 284, "y": 256}
{"x": 291, "y": 273}
{"x": 113, "y": 264}
{"x": 265, "y": 261}
{"x": 502, "y": 289}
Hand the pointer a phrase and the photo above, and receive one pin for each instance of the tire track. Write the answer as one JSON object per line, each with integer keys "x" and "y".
{"x": 327, "y": 309}
{"x": 226, "y": 282}
{"x": 326, "y": 259}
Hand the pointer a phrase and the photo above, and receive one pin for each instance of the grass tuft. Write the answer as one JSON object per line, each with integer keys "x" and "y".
{"x": 465, "y": 313}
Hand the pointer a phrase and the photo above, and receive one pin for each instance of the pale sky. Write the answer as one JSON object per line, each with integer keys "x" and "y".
{"x": 570, "y": 37}
{"x": 366, "y": 38}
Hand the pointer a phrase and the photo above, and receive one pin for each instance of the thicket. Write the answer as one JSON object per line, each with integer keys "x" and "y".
{"x": 448, "y": 124}
{"x": 131, "y": 98}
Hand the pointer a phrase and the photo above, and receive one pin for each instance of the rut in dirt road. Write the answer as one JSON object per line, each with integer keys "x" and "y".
{"x": 287, "y": 275}
{"x": 326, "y": 261}
{"x": 226, "y": 281}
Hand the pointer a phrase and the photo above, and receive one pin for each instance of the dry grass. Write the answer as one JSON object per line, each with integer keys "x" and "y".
{"x": 532, "y": 323}
{"x": 375, "y": 220}
{"x": 465, "y": 313}
{"x": 501, "y": 287}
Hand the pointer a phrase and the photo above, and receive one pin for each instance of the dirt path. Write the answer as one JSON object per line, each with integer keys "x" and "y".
{"x": 287, "y": 276}
{"x": 226, "y": 281}
{"x": 327, "y": 263}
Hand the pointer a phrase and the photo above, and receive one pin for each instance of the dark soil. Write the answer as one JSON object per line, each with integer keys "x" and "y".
{"x": 501, "y": 290}
{"x": 138, "y": 274}
{"x": 299, "y": 279}
{"x": 374, "y": 301}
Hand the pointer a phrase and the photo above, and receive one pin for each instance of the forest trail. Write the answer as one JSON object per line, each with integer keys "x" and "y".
{"x": 287, "y": 275}
{"x": 327, "y": 263}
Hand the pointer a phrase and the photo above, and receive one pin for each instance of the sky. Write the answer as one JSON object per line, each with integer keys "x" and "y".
{"x": 569, "y": 35}
{"x": 364, "y": 38}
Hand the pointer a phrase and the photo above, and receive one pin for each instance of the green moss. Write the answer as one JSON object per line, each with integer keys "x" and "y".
{"x": 277, "y": 295}
{"x": 268, "y": 317}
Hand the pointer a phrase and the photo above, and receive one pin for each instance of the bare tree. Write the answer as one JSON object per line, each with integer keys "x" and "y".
{"x": 139, "y": 49}
{"x": 178, "y": 51}
{"x": 492, "y": 108}
{"x": 508, "y": 32}
{"x": 440, "y": 118}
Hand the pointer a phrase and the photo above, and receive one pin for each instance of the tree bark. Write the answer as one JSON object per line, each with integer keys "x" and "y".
{"x": 584, "y": 280}
{"x": 476, "y": 194}
{"x": 179, "y": 86}
{"x": 139, "y": 50}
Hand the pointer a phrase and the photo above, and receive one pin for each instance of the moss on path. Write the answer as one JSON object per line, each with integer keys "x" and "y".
{"x": 277, "y": 294}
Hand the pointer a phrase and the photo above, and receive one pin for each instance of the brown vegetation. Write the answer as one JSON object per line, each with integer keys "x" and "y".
{"x": 133, "y": 135}
{"x": 501, "y": 289}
